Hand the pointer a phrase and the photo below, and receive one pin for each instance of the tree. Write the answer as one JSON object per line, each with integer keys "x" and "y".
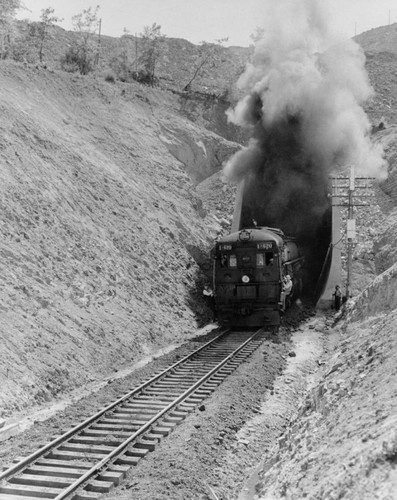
{"x": 206, "y": 59}
{"x": 80, "y": 56}
{"x": 39, "y": 30}
{"x": 8, "y": 10}
{"x": 152, "y": 40}
{"x": 124, "y": 60}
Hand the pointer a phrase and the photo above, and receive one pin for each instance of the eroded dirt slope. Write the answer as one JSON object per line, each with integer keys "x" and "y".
{"x": 101, "y": 229}
{"x": 342, "y": 441}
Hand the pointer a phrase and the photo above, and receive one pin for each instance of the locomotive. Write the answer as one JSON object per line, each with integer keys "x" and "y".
{"x": 249, "y": 268}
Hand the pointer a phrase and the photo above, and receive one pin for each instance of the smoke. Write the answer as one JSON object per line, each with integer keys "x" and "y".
{"x": 303, "y": 104}
{"x": 304, "y": 92}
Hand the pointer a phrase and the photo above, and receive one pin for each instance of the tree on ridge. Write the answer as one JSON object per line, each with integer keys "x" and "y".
{"x": 152, "y": 40}
{"x": 39, "y": 30}
{"x": 206, "y": 59}
{"x": 8, "y": 10}
{"x": 80, "y": 56}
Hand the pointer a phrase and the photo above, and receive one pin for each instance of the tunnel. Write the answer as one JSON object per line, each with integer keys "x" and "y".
{"x": 303, "y": 212}
{"x": 284, "y": 182}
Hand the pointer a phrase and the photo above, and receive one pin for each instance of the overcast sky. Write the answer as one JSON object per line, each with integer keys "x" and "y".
{"x": 207, "y": 20}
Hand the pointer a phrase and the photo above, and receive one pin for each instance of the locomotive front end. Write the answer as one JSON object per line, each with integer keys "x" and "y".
{"x": 247, "y": 281}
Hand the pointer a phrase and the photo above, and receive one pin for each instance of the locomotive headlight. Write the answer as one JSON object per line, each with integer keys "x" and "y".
{"x": 245, "y": 279}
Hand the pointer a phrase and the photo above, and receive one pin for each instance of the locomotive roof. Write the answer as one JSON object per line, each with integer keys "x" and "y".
{"x": 255, "y": 234}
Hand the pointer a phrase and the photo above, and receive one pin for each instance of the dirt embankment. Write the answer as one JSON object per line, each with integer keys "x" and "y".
{"x": 101, "y": 229}
{"x": 342, "y": 441}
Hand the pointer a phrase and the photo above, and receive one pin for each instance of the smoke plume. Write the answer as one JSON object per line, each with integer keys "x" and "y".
{"x": 303, "y": 107}
{"x": 304, "y": 93}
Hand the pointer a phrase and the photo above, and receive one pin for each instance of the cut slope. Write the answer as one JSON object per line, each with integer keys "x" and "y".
{"x": 342, "y": 441}
{"x": 99, "y": 226}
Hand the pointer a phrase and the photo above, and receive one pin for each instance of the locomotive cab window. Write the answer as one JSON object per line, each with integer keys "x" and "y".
{"x": 223, "y": 260}
{"x": 232, "y": 260}
{"x": 269, "y": 258}
{"x": 264, "y": 259}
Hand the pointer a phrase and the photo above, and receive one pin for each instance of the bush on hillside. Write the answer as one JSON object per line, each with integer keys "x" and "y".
{"x": 147, "y": 78}
{"x": 125, "y": 73}
{"x": 109, "y": 77}
{"x": 77, "y": 59}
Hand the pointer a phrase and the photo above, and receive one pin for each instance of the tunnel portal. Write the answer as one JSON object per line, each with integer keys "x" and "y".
{"x": 300, "y": 212}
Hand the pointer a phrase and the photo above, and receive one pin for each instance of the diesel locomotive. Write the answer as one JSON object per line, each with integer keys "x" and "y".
{"x": 249, "y": 270}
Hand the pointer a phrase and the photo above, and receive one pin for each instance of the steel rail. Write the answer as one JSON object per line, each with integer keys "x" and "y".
{"x": 41, "y": 451}
{"x": 117, "y": 451}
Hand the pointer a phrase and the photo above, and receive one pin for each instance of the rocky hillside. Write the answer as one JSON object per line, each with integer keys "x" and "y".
{"x": 177, "y": 58}
{"x": 380, "y": 48}
{"x": 341, "y": 441}
{"x": 102, "y": 230}
{"x": 378, "y": 40}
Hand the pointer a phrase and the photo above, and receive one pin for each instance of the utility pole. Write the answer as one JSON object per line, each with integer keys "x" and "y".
{"x": 99, "y": 44}
{"x": 350, "y": 231}
{"x": 136, "y": 55}
{"x": 344, "y": 189}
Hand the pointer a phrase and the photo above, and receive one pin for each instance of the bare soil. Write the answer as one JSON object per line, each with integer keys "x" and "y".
{"x": 101, "y": 229}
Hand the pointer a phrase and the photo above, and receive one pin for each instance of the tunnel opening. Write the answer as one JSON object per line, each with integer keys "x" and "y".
{"x": 286, "y": 185}
{"x": 298, "y": 203}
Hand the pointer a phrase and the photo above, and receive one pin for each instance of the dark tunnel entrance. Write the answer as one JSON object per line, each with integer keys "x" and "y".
{"x": 305, "y": 214}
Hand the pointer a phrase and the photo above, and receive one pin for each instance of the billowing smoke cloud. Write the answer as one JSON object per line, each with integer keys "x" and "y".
{"x": 304, "y": 93}
{"x": 303, "y": 105}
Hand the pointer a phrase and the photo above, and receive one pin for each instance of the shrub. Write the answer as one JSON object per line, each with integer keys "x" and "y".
{"x": 109, "y": 77}
{"x": 77, "y": 59}
{"x": 145, "y": 77}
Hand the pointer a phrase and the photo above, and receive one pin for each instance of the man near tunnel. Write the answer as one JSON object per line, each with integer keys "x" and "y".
{"x": 286, "y": 291}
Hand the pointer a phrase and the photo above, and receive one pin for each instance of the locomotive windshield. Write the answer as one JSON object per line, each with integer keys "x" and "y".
{"x": 259, "y": 256}
{"x": 264, "y": 259}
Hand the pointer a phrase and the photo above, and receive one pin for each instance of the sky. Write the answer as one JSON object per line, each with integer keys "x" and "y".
{"x": 207, "y": 20}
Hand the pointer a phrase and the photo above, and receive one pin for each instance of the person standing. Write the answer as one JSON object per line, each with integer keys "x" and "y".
{"x": 337, "y": 298}
{"x": 286, "y": 290}
{"x": 208, "y": 295}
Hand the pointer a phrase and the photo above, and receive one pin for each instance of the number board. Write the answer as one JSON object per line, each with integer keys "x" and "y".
{"x": 222, "y": 248}
{"x": 265, "y": 245}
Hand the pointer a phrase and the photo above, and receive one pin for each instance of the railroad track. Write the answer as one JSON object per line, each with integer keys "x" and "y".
{"x": 93, "y": 457}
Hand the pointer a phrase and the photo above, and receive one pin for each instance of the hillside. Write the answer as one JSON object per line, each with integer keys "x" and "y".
{"x": 175, "y": 66}
{"x": 102, "y": 232}
{"x": 340, "y": 441}
{"x": 178, "y": 59}
{"x": 378, "y": 40}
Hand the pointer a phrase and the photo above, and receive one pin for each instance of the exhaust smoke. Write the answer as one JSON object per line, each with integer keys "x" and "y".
{"x": 303, "y": 96}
